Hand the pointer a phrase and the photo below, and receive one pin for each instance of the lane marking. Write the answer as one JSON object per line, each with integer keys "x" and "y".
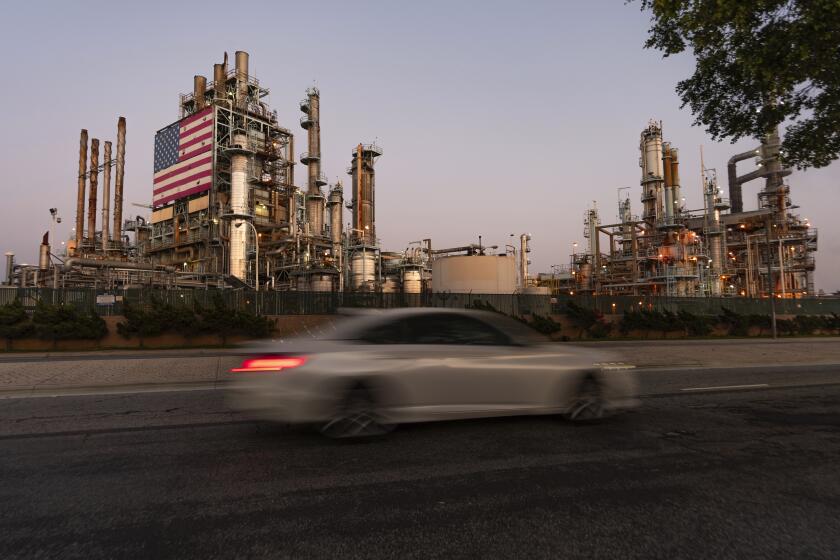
{"x": 725, "y": 387}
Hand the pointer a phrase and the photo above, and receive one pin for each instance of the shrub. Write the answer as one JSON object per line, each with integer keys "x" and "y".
{"x": 64, "y": 322}
{"x": 157, "y": 319}
{"x": 737, "y": 324}
{"x": 544, "y": 324}
{"x": 14, "y": 322}
{"x": 588, "y": 320}
{"x": 696, "y": 325}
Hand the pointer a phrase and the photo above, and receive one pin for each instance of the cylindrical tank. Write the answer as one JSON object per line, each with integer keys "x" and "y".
{"x": 321, "y": 283}
{"x": 238, "y": 205}
{"x": 412, "y": 281}
{"x": 362, "y": 270}
{"x": 302, "y": 283}
{"x": 391, "y": 285}
{"x": 479, "y": 274}
{"x": 537, "y": 291}
{"x": 315, "y": 214}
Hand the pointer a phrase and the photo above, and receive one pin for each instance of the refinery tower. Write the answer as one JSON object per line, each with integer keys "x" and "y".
{"x": 225, "y": 203}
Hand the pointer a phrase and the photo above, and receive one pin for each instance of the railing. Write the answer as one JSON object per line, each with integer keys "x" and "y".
{"x": 306, "y": 156}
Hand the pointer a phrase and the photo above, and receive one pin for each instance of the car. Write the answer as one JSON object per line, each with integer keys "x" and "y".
{"x": 377, "y": 370}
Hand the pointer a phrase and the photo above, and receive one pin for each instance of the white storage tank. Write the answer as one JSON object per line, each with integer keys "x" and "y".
{"x": 478, "y": 274}
{"x": 363, "y": 270}
{"x": 412, "y": 282}
{"x": 391, "y": 285}
{"x": 321, "y": 283}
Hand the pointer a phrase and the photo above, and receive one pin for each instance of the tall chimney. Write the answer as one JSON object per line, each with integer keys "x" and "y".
{"x": 241, "y": 79}
{"x": 80, "y": 197}
{"x": 10, "y": 267}
{"x": 118, "y": 182}
{"x": 94, "y": 180}
{"x": 199, "y": 87}
{"x": 106, "y": 196}
{"x": 219, "y": 79}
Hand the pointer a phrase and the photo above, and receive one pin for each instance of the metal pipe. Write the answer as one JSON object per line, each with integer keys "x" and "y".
{"x": 736, "y": 199}
{"x": 118, "y": 182}
{"x": 94, "y": 179}
{"x": 80, "y": 197}
{"x": 199, "y": 87}
{"x": 106, "y": 196}
{"x": 675, "y": 179}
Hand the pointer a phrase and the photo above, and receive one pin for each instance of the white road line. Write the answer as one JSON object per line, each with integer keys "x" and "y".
{"x": 725, "y": 387}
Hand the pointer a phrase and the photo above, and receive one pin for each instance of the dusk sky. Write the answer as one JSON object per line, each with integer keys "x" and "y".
{"x": 494, "y": 117}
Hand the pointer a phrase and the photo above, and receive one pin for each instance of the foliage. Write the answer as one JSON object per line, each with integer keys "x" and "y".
{"x": 759, "y": 64}
{"x": 14, "y": 322}
{"x": 544, "y": 324}
{"x": 65, "y": 322}
{"x": 665, "y": 322}
{"x": 158, "y": 318}
{"x": 219, "y": 319}
{"x": 588, "y": 320}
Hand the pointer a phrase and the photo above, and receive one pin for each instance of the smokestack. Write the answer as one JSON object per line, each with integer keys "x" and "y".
{"x": 675, "y": 178}
{"x": 219, "y": 89}
{"x": 106, "y": 196}
{"x": 199, "y": 87}
{"x": 94, "y": 180}
{"x": 80, "y": 197}
{"x": 241, "y": 78}
{"x": 44, "y": 253}
{"x": 118, "y": 183}
{"x": 10, "y": 264}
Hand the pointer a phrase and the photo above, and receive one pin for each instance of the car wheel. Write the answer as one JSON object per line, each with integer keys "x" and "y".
{"x": 588, "y": 403}
{"x": 355, "y": 416}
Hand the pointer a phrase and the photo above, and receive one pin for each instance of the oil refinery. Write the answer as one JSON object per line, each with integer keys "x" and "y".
{"x": 226, "y": 212}
{"x": 718, "y": 250}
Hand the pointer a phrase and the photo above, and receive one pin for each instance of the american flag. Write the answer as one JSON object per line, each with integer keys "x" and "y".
{"x": 183, "y": 158}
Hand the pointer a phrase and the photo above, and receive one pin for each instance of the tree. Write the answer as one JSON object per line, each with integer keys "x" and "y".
{"x": 759, "y": 63}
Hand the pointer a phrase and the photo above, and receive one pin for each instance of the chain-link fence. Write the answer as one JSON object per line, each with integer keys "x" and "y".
{"x": 311, "y": 303}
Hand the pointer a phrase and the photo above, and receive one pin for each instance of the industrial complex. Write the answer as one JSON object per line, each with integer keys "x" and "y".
{"x": 226, "y": 212}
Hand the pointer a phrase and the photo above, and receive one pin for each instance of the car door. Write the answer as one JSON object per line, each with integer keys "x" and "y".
{"x": 470, "y": 366}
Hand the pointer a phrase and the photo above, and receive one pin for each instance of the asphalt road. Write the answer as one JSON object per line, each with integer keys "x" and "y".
{"x": 717, "y": 463}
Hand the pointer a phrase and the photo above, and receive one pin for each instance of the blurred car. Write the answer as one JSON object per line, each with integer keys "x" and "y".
{"x": 381, "y": 369}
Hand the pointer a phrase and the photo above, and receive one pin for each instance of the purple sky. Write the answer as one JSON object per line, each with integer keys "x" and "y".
{"x": 495, "y": 118}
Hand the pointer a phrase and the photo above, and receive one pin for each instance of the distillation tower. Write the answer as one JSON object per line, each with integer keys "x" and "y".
{"x": 673, "y": 251}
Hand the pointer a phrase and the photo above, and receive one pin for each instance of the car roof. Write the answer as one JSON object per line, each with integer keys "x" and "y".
{"x": 508, "y": 325}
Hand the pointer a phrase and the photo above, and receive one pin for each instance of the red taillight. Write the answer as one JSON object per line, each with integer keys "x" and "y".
{"x": 270, "y": 363}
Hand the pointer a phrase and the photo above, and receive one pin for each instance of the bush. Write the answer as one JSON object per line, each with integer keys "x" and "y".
{"x": 157, "y": 319}
{"x": 588, "y": 320}
{"x": 696, "y": 325}
{"x": 14, "y": 322}
{"x": 544, "y": 324}
{"x": 161, "y": 318}
{"x": 65, "y": 322}
{"x": 737, "y": 324}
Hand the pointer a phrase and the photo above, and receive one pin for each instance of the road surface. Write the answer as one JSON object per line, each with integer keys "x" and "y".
{"x": 717, "y": 463}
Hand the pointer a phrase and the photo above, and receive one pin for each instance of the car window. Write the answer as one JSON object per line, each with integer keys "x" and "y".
{"x": 389, "y": 332}
{"x": 449, "y": 328}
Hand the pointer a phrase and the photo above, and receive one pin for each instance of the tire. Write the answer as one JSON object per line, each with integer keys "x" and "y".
{"x": 355, "y": 416}
{"x": 588, "y": 402}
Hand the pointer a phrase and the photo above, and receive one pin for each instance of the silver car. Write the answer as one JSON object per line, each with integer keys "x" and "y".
{"x": 385, "y": 368}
